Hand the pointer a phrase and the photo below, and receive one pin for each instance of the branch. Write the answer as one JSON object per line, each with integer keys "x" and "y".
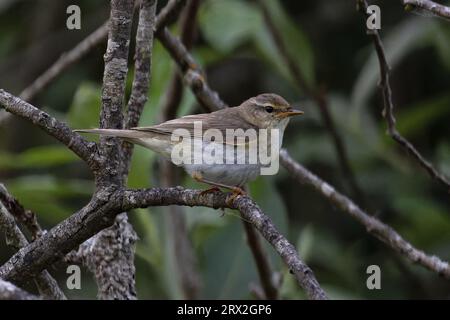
{"x": 373, "y": 226}
{"x": 8, "y": 291}
{"x": 262, "y": 262}
{"x": 430, "y": 6}
{"x": 64, "y": 62}
{"x": 142, "y": 72}
{"x": 59, "y": 130}
{"x": 318, "y": 97}
{"x": 47, "y": 285}
{"x": 113, "y": 89}
{"x": 111, "y": 257}
{"x": 182, "y": 249}
{"x": 83, "y": 48}
{"x": 169, "y": 13}
{"x": 192, "y": 73}
{"x": 103, "y": 208}
{"x": 26, "y": 217}
{"x": 403, "y": 247}
{"x": 194, "y": 77}
{"x": 249, "y": 211}
{"x": 388, "y": 111}
{"x": 64, "y": 237}
{"x": 184, "y": 255}
{"x": 174, "y": 92}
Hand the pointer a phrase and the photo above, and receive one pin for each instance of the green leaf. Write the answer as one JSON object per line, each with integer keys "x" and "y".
{"x": 295, "y": 40}
{"x": 248, "y": 27}
{"x": 228, "y": 267}
{"x": 441, "y": 41}
{"x": 37, "y": 157}
{"x": 85, "y": 109}
{"x": 414, "y": 119}
{"x": 228, "y": 24}
{"x": 402, "y": 40}
{"x": 428, "y": 222}
{"x": 48, "y": 196}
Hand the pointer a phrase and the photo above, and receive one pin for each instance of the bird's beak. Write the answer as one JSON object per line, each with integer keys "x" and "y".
{"x": 289, "y": 113}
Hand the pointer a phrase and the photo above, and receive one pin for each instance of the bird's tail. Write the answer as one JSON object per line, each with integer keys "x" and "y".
{"x": 120, "y": 133}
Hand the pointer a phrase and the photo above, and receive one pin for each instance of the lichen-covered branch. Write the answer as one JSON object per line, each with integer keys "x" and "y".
{"x": 8, "y": 291}
{"x": 24, "y": 216}
{"x": 111, "y": 256}
{"x": 182, "y": 250}
{"x": 429, "y": 6}
{"x": 142, "y": 74}
{"x": 373, "y": 226}
{"x": 47, "y": 285}
{"x": 53, "y": 245}
{"x": 101, "y": 211}
{"x": 249, "y": 211}
{"x": 388, "y": 110}
{"x": 142, "y": 62}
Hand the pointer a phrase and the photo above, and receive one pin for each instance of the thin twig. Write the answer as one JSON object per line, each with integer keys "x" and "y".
{"x": 373, "y": 226}
{"x": 65, "y": 61}
{"x": 174, "y": 92}
{"x": 388, "y": 110}
{"x": 262, "y": 262}
{"x": 423, "y": 259}
{"x": 318, "y": 96}
{"x": 169, "y": 13}
{"x": 427, "y": 5}
{"x": 83, "y": 48}
{"x": 193, "y": 75}
{"x": 183, "y": 251}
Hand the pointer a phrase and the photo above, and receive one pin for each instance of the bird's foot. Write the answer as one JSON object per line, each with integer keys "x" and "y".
{"x": 236, "y": 193}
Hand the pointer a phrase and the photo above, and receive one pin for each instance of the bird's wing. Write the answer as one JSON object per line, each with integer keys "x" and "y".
{"x": 220, "y": 120}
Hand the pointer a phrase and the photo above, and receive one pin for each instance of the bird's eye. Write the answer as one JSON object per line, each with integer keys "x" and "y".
{"x": 269, "y": 109}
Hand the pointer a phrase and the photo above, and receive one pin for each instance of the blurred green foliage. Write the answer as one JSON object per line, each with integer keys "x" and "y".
{"x": 51, "y": 181}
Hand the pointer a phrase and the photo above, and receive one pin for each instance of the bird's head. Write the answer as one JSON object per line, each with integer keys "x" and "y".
{"x": 268, "y": 110}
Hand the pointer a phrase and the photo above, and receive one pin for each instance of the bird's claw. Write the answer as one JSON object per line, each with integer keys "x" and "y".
{"x": 236, "y": 193}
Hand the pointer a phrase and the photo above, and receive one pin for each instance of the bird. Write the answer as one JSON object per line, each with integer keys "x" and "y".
{"x": 246, "y": 123}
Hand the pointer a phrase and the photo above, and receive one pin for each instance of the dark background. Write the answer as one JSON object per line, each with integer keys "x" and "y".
{"x": 327, "y": 40}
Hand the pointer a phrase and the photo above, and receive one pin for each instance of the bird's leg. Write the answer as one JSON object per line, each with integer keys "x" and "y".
{"x": 210, "y": 190}
{"x": 237, "y": 191}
